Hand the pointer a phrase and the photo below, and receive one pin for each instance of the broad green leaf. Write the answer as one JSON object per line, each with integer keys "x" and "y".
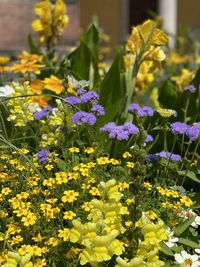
{"x": 112, "y": 90}
{"x": 168, "y": 95}
{"x": 183, "y": 226}
{"x": 188, "y": 243}
{"x": 166, "y": 250}
{"x": 189, "y": 174}
{"x": 85, "y": 56}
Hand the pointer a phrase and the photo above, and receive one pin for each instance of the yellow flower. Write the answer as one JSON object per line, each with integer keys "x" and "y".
{"x": 130, "y": 164}
{"x": 69, "y": 196}
{"x": 89, "y": 150}
{"x": 64, "y": 234}
{"x": 69, "y": 215}
{"x": 102, "y": 160}
{"x": 54, "y": 84}
{"x": 30, "y": 219}
{"x": 184, "y": 78}
{"x": 145, "y": 33}
{"x": 74, "y": 150}
{"x": 126, "y": 155}
{"x": 87, "y": 206}
{"x": 4, "y": 60}
{"x": 186, "y": 201}
{"x": 166, "y": 113}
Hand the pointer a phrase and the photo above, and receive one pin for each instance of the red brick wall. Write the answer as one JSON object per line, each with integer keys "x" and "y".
{"x": 15, "y": 24}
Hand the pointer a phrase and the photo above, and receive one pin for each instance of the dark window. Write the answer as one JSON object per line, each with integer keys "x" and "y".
{"x": 140, "y": 10}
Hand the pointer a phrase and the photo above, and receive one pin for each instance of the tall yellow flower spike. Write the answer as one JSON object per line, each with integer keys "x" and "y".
{"x": 51, "y": 22}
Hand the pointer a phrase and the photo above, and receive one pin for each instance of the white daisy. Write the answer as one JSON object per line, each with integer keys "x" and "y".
{"x": 187, "y": 260}
{"x": 188, "y": 213}
{"x": 171, "y": 238}
{"x": 6, "y": 90}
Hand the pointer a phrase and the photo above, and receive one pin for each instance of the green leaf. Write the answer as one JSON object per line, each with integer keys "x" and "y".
{"x": 189, "y": 174}
{"x": 168, "y": 95}
{"x": 61, "y": 165}
{"x": 112, "y": 90}
{"x": 33, "y": 47}
{"x": 183, "y": 226}
{"x": 166, "y": 250}
{"x": 188, "y": 243}
{"x": 85, "y": 56}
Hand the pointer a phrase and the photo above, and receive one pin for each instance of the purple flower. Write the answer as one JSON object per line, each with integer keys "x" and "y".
{"x": 148, "y": 139}
{"x": 179, "y": 127}
{"x": 90, "y": 96}
{"x": 141, "y": 112}
{"x": 98, "y": 110}
{"x": 82, "y": 117}
{"x": 81, "y": 91}
{"x": 43, "y": 155}
{"x": 193, "y": 131}
{"x": 121, "y": 132}
{"x": 43, "y": 113}
{"x": 190, "y": 88}
{"x": 163, "y": 154}
{"x": 168, "y": 155}
{"x": 152, "y": 157}
{"x": 73, "y": 100}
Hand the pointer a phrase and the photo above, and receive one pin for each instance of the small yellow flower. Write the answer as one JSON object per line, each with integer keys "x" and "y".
{"x": 64, "y": 234}
{"x": 69, "y": 196}
{"x": 148, "y": 186}
{"x": 126, "y": 155}
{"x": 69, "y": 215}
{"x": 30, "y": 219}
{"x": 103, "y": 160}
{"x": 89, "y": 150}
{"x": 186, "y": 201}
{"x": 130, "y": 164}
{"x": 87, "y": 206}
{"x": 74, "y": 150}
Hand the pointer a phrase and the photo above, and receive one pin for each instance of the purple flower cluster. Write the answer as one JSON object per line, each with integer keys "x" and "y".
{"x": 163, "y": 154}
{"x": 98, "y": 110}
{"x": 122, "y": 132}
{"x": 43, "y": 155}
{"x": 190, "y": 88}
{"x": 84, "y": 97}
{"x": 82, "y": 117}
{"x": 179, "y": 127}
{"x": 148, "y": 139}
{"x": 43, "y": 113}
{"x": 193, "y": 132}
{"x": 141, "y": 111}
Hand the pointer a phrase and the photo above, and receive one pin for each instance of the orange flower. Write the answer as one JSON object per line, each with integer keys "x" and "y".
{"x": 41, "y": 100}
{"x": 27, "y": 57}
{"x": 37, "y": 86}
{"x": 53, "y": 84}
{"x": 27, "y": 67}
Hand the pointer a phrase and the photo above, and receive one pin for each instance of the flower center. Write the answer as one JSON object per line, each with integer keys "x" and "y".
{"x": 187, "y": 262}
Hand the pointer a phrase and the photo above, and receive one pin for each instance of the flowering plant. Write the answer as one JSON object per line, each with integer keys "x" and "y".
{"x": 89, "y": 173}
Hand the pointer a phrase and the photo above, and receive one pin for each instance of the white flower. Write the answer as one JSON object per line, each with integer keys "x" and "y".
{"x": 171, "y": 238}
{"x": 78, "y": 84}
{"x": 34, "y": 108}
{"x": 197, "y": 250}
{"x": 187, "y": 260}
{"x": 6, "y": 90}
{"x": 188, "y": 213}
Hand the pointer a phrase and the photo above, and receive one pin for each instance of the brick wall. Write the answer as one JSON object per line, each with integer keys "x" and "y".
{"x": 15, "y": 24}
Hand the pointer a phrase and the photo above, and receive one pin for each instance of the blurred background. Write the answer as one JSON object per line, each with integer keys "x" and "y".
{"x": 115, "y": 17}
